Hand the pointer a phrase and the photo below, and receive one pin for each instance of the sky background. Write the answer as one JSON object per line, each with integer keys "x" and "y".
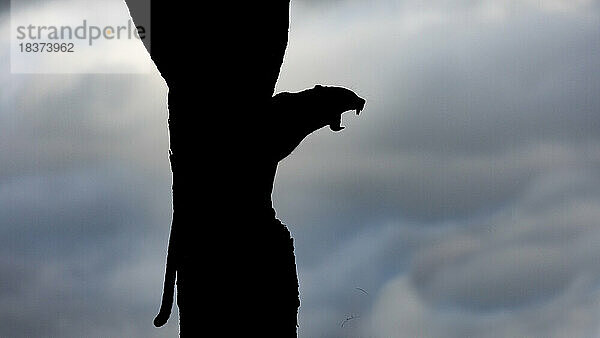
{"x": 465, "y": 199}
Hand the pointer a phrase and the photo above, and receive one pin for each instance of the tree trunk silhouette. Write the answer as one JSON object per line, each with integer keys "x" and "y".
{"x": 233, "y": 261}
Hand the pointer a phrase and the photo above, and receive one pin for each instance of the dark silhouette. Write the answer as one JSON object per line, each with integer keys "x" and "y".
{"x": 232, "y": 259}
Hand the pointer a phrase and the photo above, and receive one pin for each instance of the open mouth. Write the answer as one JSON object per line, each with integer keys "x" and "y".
{"x": 336, "y": 125}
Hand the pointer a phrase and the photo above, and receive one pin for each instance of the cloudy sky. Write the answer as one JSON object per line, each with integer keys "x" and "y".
{"x": 465, "y": 200}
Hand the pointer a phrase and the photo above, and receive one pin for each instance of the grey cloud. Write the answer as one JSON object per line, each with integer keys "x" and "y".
{"x": 498, "y": 89}
{"x": 104, "y": 125}
{"x": 521, "y": 271}
{"x": 70, "y": 234}
{"x": 502, "y": 275}
{"x": 497, "y": 281}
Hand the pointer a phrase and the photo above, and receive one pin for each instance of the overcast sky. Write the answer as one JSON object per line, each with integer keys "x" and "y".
{"x": 465, "y": 200}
